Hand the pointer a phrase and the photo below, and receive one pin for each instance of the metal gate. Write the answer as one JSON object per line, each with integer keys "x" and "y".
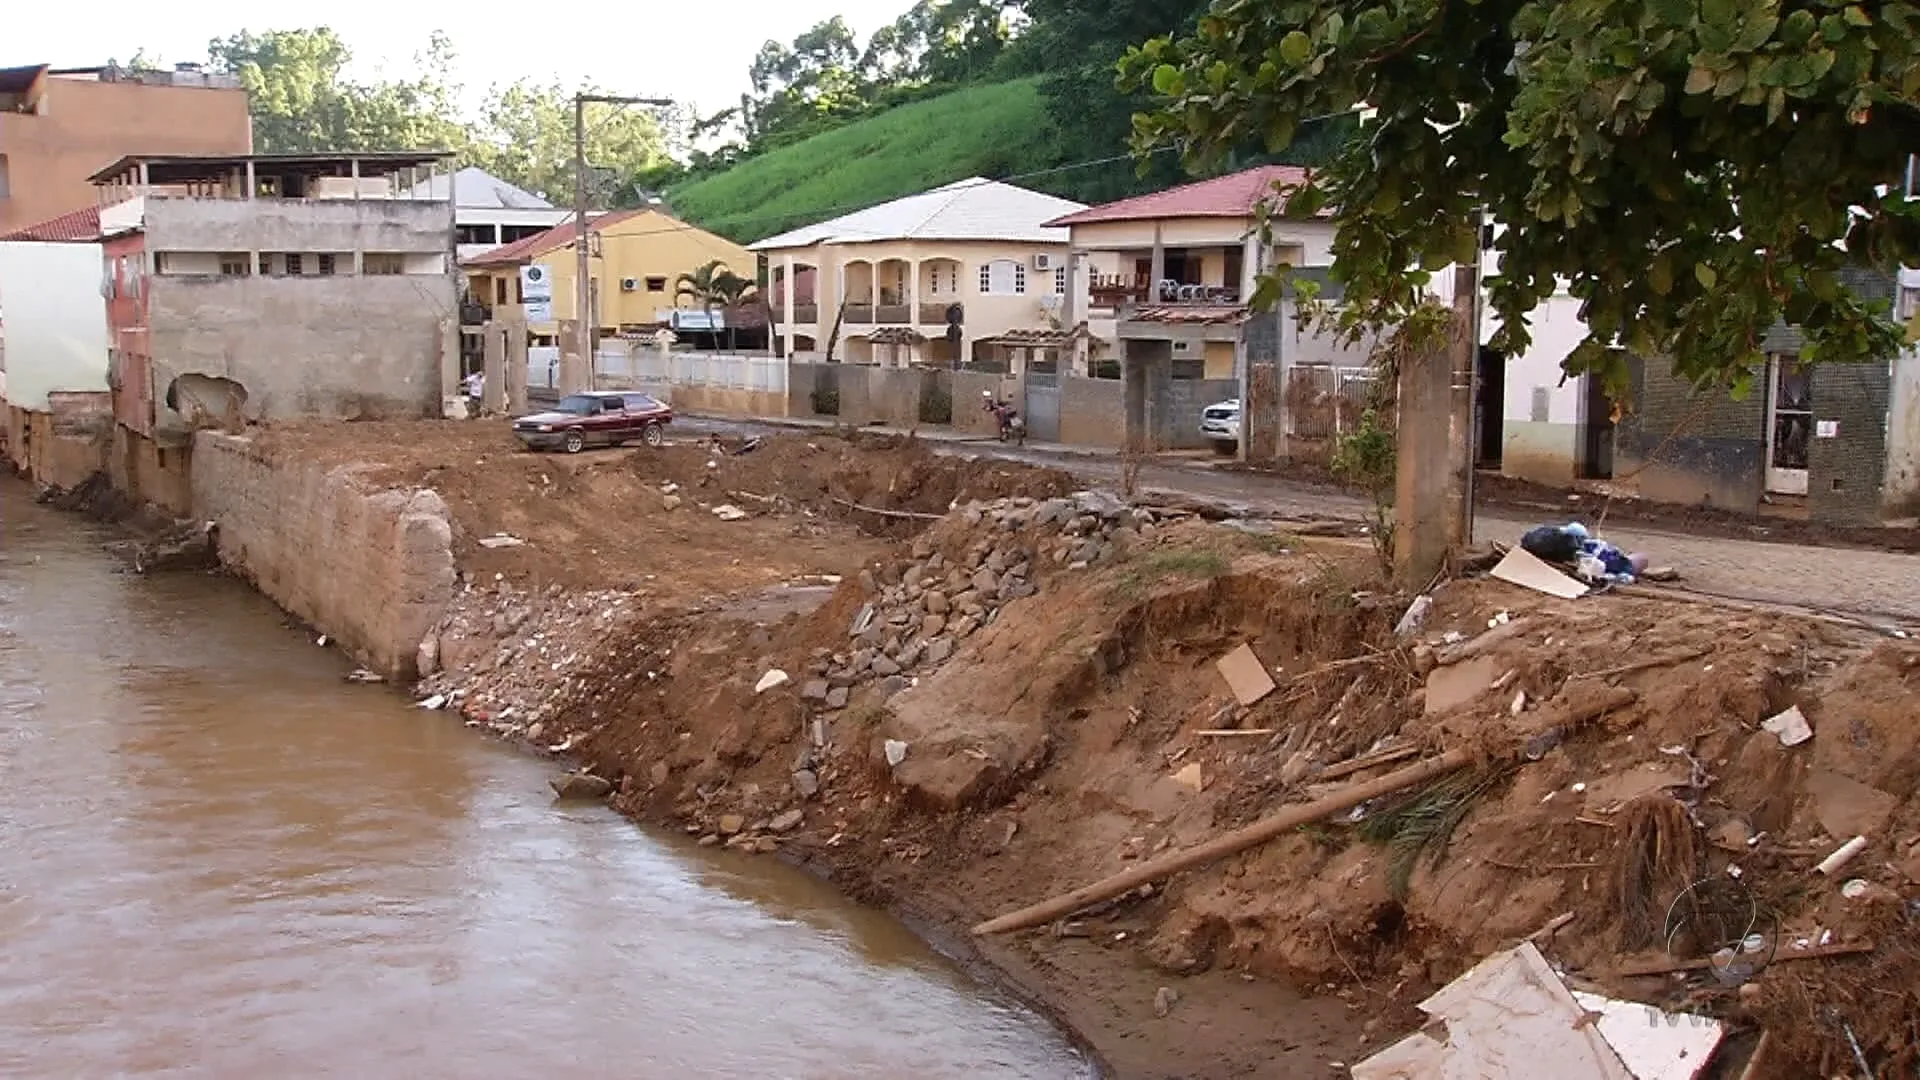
{"x": 1043, "y": 406}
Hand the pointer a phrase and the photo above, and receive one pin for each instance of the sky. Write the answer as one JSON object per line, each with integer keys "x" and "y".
{"x": 695, "y": 52}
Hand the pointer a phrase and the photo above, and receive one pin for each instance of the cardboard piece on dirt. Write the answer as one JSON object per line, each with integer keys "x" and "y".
{"x": 1455, "y": 685}
{"x": 1505, "y": 1017}
{"x": 1846, "y": 807}
{"x": 1527, "y": 570}
{"x": 1643, "y": 779}
{"x": 1246, "y": 676}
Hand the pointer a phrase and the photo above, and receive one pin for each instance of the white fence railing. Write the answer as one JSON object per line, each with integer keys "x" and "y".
{"x": 651, "y": 369}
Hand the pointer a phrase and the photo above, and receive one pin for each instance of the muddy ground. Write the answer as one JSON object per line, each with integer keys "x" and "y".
{"x": 957, "y": 688}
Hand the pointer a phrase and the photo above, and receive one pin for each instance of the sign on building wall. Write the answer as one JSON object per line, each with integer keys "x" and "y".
{"x": 536, "y": 292}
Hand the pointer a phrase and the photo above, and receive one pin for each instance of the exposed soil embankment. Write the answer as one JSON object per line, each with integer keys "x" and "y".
{"x": 1080, "y": 727}
{"x": 779, "y": 648}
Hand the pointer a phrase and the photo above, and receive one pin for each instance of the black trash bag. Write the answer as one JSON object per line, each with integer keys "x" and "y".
{"x": 1552, "y": 543}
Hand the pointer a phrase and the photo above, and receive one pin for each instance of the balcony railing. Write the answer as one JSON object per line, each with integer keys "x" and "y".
{"x": 1114, "y": 291}
{"x": 857, "y": 313}
{"x": 893, "y": 314}
{"x": 803, "y": 314}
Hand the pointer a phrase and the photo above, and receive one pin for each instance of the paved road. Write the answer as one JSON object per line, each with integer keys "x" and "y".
{"x": 1871, "y": 583}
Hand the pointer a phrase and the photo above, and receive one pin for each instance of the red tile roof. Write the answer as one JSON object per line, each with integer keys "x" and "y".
{"x": 1235, "y": 195}
{"x": 75, "y": 226}
{"x": 528, "y": 248}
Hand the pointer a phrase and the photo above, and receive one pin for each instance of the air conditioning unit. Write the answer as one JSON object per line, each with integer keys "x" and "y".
{"x": 1045, "y": 261}
{"x": 629, "y": 284}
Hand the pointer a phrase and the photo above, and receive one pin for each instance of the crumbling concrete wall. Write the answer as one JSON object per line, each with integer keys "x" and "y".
{"x": 372, "y": 568}
{"x": 351, "y": 344}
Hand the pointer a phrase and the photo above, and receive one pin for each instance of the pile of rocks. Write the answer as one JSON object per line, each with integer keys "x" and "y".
{"x": 961, "y": 573}
{"x": 504, "y": 656}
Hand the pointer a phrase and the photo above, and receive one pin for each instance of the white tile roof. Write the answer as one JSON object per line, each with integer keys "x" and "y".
{"x": 476, "y": 188}
{"x": 971, "y": 209}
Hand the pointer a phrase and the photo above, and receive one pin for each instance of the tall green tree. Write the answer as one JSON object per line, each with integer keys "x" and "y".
{"x": 302, "y": 101}
{"x": 1694, "y": 170}
{"x": 939, "y": 42}
{"x": 526, "y": 138}
{"x": 807, "y": 86}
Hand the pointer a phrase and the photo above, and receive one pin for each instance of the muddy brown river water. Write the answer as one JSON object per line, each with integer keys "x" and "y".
{"x": 217, "y": 858}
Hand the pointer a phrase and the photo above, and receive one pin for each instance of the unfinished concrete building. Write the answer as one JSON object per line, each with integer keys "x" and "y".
{"x": 277, "y": 286}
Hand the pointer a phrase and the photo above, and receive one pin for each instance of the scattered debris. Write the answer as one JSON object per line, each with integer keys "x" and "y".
{"x": 501, "y": 540}
{"x": 434, "y": 701}
{"x": 1164, "y": 999}
{"x": 1415, "y": 616}
{"x": 774, "y": 677}
{"x": 1526, "y": 570}
{"x": 1191, "y": 777}
{"x": 1791, "y": 726}
{"x": 1841, "y": 856}
{"x": 895, "y": 750}
{"x": 1246, "y": 676}
{"x": 362, "y": 675}
{"x": 729, "y": 512}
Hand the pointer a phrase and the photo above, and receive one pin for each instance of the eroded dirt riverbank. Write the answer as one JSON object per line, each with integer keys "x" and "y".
{"x": 996, "y": 690}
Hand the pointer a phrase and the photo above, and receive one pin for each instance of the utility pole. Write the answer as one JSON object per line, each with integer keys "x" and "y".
{"x": 581, "y": 375}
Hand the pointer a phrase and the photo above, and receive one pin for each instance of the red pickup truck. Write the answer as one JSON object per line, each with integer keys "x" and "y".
{"x": 596, "y": 418}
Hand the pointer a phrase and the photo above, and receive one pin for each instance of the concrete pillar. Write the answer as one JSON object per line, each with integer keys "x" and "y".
{"x": 1159, "y": 265}
{"x": 1136, "y": 389}
{"x": 1433, "y": 451}
{"x": 493, "y": 370}
{"x": 516, "y": 360}
{"x": 450, "y": 358}
{"x": 1249, "y": 267}
{"x": 913, "y": 293}
{"x": 787, "y": 300}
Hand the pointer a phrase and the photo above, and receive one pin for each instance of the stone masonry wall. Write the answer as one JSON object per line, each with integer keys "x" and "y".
{"x": 371, "y": 568}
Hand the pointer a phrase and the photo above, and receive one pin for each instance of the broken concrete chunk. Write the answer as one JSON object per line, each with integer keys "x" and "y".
{"x": 1791, "y": 726}
{"x": 837, "y": 698}
{"x": 815, "y": 690}
{"x": 1246, "y": 676}
{"x": 731, "y": 824}
{"x": 806, "y": 783}
{"x": 896, "y": 751}
{"x": 774, "y": 677}
{"x": 501, "y": 540}
{"x": 728, "y": 512}
{"x": 1522, "y": 567}
{"x": 861, "y": 621}
{"x": 787, "y": 822}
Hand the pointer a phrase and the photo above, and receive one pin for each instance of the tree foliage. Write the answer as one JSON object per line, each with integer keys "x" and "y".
{"x": 1693, "y": 170}
{"x": 303, "y": 102}
{"x": 526, "y": 138}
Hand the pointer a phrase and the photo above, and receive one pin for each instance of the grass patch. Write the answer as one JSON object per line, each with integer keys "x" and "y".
{"x": 990, "y": 131}
{"x": 1150, "y": 570}
{"x": 1269, "y": 543}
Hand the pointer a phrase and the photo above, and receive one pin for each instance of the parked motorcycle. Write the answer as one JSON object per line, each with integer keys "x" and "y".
{"x": 1012, "y": 428}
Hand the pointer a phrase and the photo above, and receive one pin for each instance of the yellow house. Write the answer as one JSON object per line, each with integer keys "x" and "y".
{"x": 636, "y": 257}
{"x": 959, "y": 274}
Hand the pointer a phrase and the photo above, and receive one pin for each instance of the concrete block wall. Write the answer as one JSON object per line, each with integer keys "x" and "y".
{"x": 1185, "y": 400}
{"x": 1093, "y": 412}
{"x": 1692, "y": 448}
{"x": 371, "y": 568}
{"x": 1845, "y": 473}
{"x": 339, "y": 225}
{"x": 969, "y": 415}
{"x": 337, "y": 348}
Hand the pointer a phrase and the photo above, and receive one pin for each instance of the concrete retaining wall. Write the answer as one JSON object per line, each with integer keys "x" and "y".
{"x": 373, "y": 569}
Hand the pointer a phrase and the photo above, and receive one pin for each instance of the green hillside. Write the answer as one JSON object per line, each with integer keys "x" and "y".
{"x": 991, "y": 130}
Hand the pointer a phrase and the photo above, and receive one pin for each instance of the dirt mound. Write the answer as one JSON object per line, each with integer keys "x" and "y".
{"x": 1078, "y": 728}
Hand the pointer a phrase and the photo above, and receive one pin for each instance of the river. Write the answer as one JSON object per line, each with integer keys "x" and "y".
{"x": 217, "y": 857}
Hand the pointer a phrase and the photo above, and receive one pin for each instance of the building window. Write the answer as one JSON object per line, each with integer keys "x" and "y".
{"x": 234, "y": 264}
{"x": 1003, "y": 277}
{"x": 1059, "y": 281}
{"x": 5, "y": 190}
{"x": 1909, "y": 302}
{"x": 295, "y": 264}
{"x": 656, "y": 284}
{"x": 383, "y": 263}
{"x": 324, "y": 264}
